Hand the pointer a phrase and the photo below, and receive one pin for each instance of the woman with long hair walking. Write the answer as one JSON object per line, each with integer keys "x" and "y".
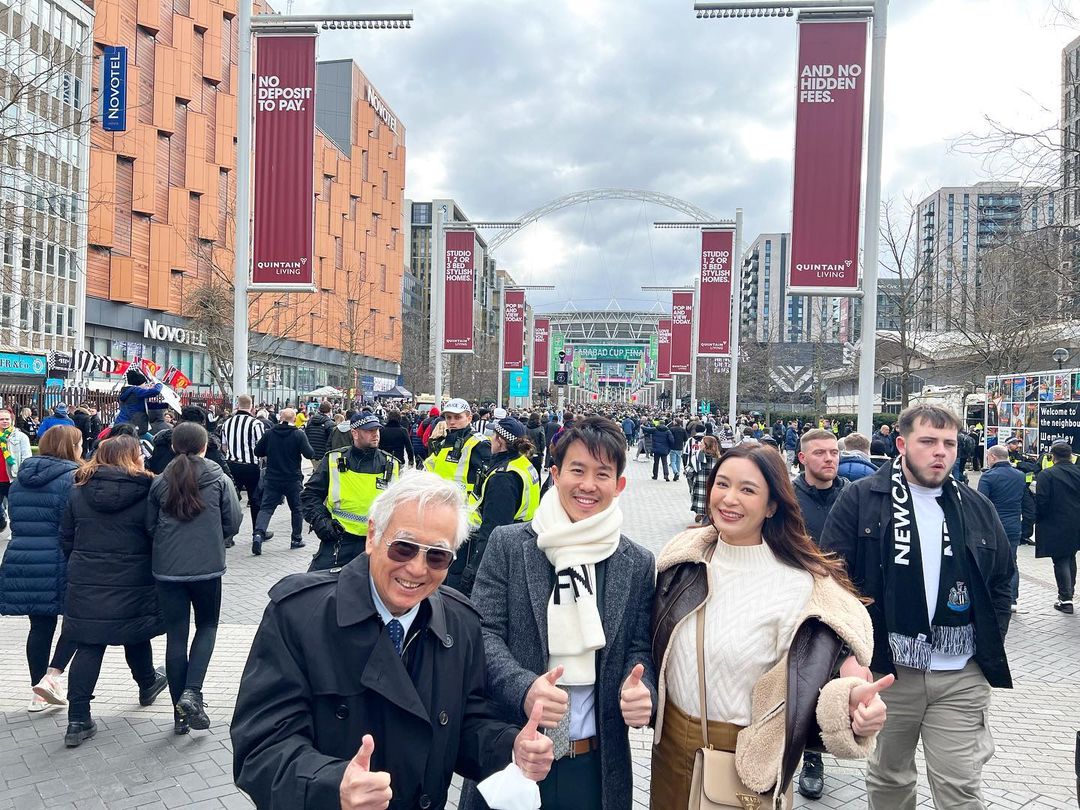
{"x": 193, "y": 510}
{"x": 110, "y": 589}
{"x": 33, "y": 576}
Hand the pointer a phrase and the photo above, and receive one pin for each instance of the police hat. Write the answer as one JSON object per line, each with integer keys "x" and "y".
{"x": 365, "y": 421}
{"x": 509, "y": 429}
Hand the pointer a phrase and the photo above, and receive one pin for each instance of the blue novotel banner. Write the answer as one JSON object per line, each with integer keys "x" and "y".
{"x": 114, "y": 89}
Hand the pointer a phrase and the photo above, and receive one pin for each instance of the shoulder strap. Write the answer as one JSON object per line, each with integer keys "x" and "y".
{"x": 702, "y": 703}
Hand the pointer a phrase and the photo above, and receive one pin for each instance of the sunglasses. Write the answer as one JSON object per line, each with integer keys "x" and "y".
{"x": 436, "y": 557}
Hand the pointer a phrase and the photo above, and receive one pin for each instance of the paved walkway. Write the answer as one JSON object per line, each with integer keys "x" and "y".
{"x": 136, "y": 762}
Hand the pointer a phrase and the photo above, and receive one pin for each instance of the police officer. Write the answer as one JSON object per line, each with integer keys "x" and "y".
{"x": 338, "y": 495}
{"x": 461, "y": 455}
{"x": 508, "y": 493}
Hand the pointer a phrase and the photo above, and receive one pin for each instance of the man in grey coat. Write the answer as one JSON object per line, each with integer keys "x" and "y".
{"x": 565, "y": 603}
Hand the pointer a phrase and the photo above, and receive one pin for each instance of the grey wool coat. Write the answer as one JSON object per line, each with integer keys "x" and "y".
{"x": 511, "y": 593}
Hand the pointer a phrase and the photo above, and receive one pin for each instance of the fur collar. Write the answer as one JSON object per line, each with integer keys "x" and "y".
{"x": 828, "y": 601}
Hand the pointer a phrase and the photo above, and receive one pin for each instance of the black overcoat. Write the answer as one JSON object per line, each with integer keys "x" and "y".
{"x": 1057, "y": 501}
{"x": 322, "y": 673}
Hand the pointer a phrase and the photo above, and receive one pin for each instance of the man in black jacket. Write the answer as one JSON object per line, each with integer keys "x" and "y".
{"x": 932, "y": 554}
{"x": 317, "y": 429}
{"x": 163, "y": 452}
{"x": 818, "y": 487}
{"x": 367, "y": 688}
{"x": 1057, "y": 533}
{"x": 282, "y": 447}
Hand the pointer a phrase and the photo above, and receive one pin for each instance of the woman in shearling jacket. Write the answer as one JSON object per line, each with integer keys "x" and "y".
{"x": 192, "y": 510}
{"x": 765, "y": 590}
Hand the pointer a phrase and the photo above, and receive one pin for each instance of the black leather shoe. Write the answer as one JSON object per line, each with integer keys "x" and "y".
{"x": 812, "y": 776}
{"x": 256, "y": 544}
{"x": 229, "y": 542}
{"x": 297, "y": 544}
{"x": 78, "y": 731}
{"x": 191, "y": 708}
{"x": 148, "y": 695}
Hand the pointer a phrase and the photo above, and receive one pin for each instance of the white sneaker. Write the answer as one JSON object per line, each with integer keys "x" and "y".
{"x": 38, "y": 704}
{"x": 49, "y": 690}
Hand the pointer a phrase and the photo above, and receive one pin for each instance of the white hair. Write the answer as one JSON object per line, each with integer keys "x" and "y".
{"x": 999, "y": 451}
{"x": 425, "y": 489}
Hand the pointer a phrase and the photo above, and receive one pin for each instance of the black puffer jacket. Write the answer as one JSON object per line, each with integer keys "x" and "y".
{"x": 163, "y": 453}
{"x": 110, "y": 593}
{"x": 317, "y": 429}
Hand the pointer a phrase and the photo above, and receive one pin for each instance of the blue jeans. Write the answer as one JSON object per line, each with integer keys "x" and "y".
{"x": 1013, "y": 546}
{"x": 675, "y": 457}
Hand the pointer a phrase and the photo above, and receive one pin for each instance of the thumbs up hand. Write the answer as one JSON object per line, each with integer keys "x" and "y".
{"x": 866, "y": 707}
{"x": 533, "y": 752}
{"x": 635, "y": 699}
{"x": 555, "y": 701}
{"x": 361, "y": 788}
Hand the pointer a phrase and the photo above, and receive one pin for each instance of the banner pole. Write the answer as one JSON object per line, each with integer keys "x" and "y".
{"x": 695, "y": 337}
{"x": 502, "y": 338}
{"x": 871, "y": 223}
{"x": 735, "y": 321}
{"x": 242, "y": 257}
{"x": 438, "y": 258}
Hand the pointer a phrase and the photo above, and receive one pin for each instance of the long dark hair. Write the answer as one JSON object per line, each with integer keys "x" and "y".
{"x": 182, "y": 499}
{"x": 785, "y": 532}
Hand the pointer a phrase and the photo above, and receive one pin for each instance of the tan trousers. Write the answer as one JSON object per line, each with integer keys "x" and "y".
{"x": 949, "y": 710}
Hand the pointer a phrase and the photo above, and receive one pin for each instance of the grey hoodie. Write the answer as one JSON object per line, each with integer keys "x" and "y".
{"x": 195, "y": 549}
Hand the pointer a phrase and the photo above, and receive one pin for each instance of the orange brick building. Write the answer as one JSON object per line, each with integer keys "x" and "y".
{"x": 162, "y": 213}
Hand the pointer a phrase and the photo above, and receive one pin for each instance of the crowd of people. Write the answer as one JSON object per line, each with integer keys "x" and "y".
{"x": 459, "y": 617}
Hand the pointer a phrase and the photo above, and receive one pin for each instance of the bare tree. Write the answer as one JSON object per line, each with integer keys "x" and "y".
{"x": 908, "y": 296}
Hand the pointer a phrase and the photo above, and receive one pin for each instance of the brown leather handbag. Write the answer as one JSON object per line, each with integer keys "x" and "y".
{"x": 715, "y": 783}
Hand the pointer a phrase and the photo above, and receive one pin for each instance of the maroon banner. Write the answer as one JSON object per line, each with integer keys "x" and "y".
{"x": 541, "y": 347}
{"x": 458, "y": 292}
{"x": 682, "y": 331}
{"x": 714, "y": 332}
{"x": 284, "y": 202}
{"x": 663, "y": 349}
{"x": 513, "y": 330}
{"x": 828, "y": 157}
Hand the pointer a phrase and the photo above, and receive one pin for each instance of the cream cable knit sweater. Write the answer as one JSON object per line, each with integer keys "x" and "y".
{"x": 750, "y": 619}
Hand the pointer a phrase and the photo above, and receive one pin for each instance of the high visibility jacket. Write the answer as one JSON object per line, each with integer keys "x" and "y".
{"x": 1048, "y": 461}
{"x": 530, "y": 490}
{"x": 350, "y": 494}
{"x": 451, "y": 463}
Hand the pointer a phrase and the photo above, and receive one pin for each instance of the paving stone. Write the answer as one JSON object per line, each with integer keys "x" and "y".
{"x": 137, "y": 762}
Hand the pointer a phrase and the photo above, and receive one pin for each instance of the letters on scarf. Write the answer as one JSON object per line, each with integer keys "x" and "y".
{"x": 914, "y": 635}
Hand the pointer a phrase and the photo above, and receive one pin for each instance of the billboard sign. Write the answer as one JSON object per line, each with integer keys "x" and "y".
{"x": 828, "y": 158}
{"x": 541, "y": 347}
{"x": 458, "y": 291}
{"x": 114, "y": 61}
{"x": 714, "y": 332}
{"x": 513, "y": 329}
{"x": 282, "y": 254}
{"x": 682, "y": 331}
{"x": 663, "y": 340}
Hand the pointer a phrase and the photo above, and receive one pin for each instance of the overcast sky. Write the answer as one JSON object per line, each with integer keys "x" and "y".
{"x": 509, "y": 105}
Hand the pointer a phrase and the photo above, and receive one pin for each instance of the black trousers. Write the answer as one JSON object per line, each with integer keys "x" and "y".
{"x": 656, "y": 459}
{"x": 86, "y": 666}
{"x": 246, "y": 477}
{"x": 273, "y": 492}
{"x": 187, "y": 669}
{"x": 573, "y": 784}
{"x": 1065, "y": 574}
{"x": 39, "y": 645}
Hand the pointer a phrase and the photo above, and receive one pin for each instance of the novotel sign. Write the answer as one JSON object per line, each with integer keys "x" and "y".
{"x": 381, "y": 109}
{"x": 172, "y": 334}
{"x": 114, "y": 89}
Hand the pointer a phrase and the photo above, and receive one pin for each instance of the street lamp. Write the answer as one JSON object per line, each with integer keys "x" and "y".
{"x": 1061, "y": 356}
{"x": 845, "y": 9}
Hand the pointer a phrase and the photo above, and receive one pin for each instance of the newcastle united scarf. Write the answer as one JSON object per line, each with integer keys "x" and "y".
{"x": 912, "y": 636}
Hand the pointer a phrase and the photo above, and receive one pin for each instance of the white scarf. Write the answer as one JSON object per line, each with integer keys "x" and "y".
{"x": 575, "y": 631}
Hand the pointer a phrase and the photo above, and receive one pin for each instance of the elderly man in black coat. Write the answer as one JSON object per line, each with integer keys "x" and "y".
{"x": 365, "y": 689}
{"x": 566, "y": 601}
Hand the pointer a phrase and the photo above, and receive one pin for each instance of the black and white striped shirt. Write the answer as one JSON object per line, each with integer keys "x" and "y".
{"x": 239, "y": 435}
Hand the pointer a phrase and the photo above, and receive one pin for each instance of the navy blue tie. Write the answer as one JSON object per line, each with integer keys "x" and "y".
{"x": 397, "y": 634}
